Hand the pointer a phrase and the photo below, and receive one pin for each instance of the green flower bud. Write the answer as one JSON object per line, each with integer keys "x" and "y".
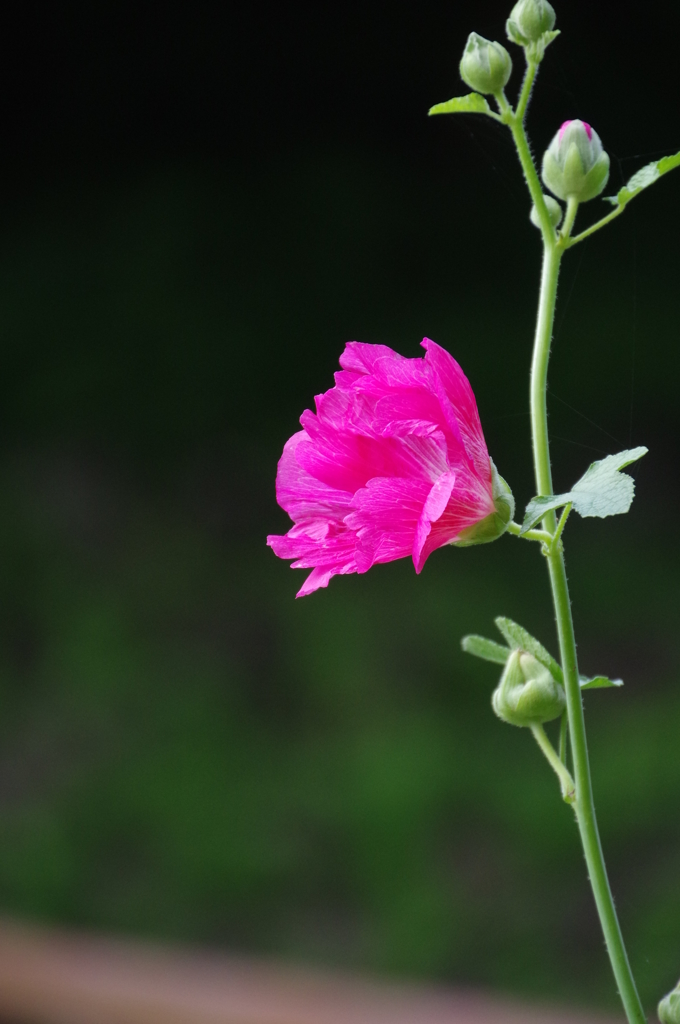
{"x": 554, "y": 209}
{"x": 528, "y": 20}
{"x": 495, "y": 525}
{"x": 669, "y": 1007}
{"x": 575, "y": 166}
{"x": 527, "y": 693}
{"x": 485, "y": 66}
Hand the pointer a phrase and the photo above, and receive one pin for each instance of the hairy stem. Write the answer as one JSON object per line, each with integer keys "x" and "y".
{"x": 566, "y": 781}
{"x": 583, "y": 803}
{"x": 515, "y": 121}
{"x": 538, "y": 535}
{"x": 527, "y": 85}
{"x": 560, "y": 526}
{"x": 564, "y": 735}
{"x": 594, "y": 227}
{"x": 570, "y": 217}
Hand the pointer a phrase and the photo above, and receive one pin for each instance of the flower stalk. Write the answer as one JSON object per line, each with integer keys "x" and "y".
{"x": 582, "y": 801}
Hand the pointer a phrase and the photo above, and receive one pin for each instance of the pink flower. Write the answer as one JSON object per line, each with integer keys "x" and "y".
{"x": 393, "y": 463}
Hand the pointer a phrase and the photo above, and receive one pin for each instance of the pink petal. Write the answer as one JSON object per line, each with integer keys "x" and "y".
{"x": 321, "y": 577}
{"x": 433, "y": 509}
{"x": 302, "y": 495}
{"x": 462, "y": 401}
{"x": 361, "y": 358}
{"x": 387, "y": 512}
{"x": 316, "y": 579}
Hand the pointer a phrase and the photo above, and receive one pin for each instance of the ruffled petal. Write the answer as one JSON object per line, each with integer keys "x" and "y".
{"x": 302, "y": 495}
{"x": 354, "y": 437}
{"x": 433, "y": 509}
{"x": 361, "y": 357}
{"x": 321, "y": 577}
{"x": 463, "y": 510}
{"x": 385, "y": 520}
{"x": 462, "y": 403}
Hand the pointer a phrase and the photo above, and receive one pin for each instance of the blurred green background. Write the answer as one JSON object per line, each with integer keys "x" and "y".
{"x": 198, "y": 211}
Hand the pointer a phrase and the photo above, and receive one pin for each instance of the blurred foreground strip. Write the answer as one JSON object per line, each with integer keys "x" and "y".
{"x": 54, "y": 977}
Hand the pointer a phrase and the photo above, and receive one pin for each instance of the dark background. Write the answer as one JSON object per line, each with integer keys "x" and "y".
{"x": 198, "y": 207}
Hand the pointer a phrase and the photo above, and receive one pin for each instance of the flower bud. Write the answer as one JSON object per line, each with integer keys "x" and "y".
{"x": 527, "y": 693}
{"x": 528, "y": 20}
{"x": 485, "y": 66}
{"x": 494, "y": 525}
{"x": 574, "y": 165}
{"x": 669, "y": 1008}
{"x": 555, "y": 212}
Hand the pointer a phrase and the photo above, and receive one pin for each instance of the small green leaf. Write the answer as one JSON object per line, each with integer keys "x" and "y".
{"x": 539, "y": 507}
{"x": 643, "y": 178}
{"x": 489, "y": 650}
{"x": 518, "y": 638}
{"x": 602, "y": 491}
{"x": 598, "y": 682}
{"x": 473, "y": 103}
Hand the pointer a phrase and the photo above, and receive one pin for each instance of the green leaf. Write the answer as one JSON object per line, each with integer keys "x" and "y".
{"x": 489, "y": 650}
{"x": 473, "y": 103}
{"x": 598, "y": 682}
{"x": 602, "y": 491}
{"x": 643, "y": 178}
{"x": 518, "y": 638}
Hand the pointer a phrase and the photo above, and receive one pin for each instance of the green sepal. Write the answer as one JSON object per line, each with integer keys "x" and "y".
{"x": 536, "y": 51}
{"x": 598, "y": 682}
{"x": 549, "y": 37}
{"x": 643, "y": 178}
{"x": 473, "y": 103}
{"x": 519, "y": 640}
{"x": 488, "y": 650}
{"x": 496, "y": 523}
{"x": 602, "y": 491}
{"x": 528, "y": 694}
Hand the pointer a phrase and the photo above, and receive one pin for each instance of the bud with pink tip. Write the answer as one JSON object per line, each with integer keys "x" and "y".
{"x": 575, "y": 165}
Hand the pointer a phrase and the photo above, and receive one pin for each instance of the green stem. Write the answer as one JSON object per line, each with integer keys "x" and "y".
{"x": 594, "y": 227}
{"x": 566, "y": 781}
{"x": 560, "y": 526}
{"x": 583, "y": 803}
{"x": 564, "y": 734}
{"x": 539, "y": 376}
{"x": 538, "y": 535}
{"x": 527, "y": 85}
{"x": 572, "y": 210}
{"x": 522, "y": 145}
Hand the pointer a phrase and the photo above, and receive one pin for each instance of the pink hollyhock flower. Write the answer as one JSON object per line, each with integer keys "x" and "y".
{"x": 393, "y": 463}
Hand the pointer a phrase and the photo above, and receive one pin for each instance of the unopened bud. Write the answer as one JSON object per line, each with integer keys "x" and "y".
{"x": 494, "y": 525}
{"x": 669, "y": 1007}
{"x": 485, "y": 66}
{"x": 528, "y": 20}
{"x": 555, "y": 212}
{"x": 574, "y": 165}
{"x": 527, "y": 693}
